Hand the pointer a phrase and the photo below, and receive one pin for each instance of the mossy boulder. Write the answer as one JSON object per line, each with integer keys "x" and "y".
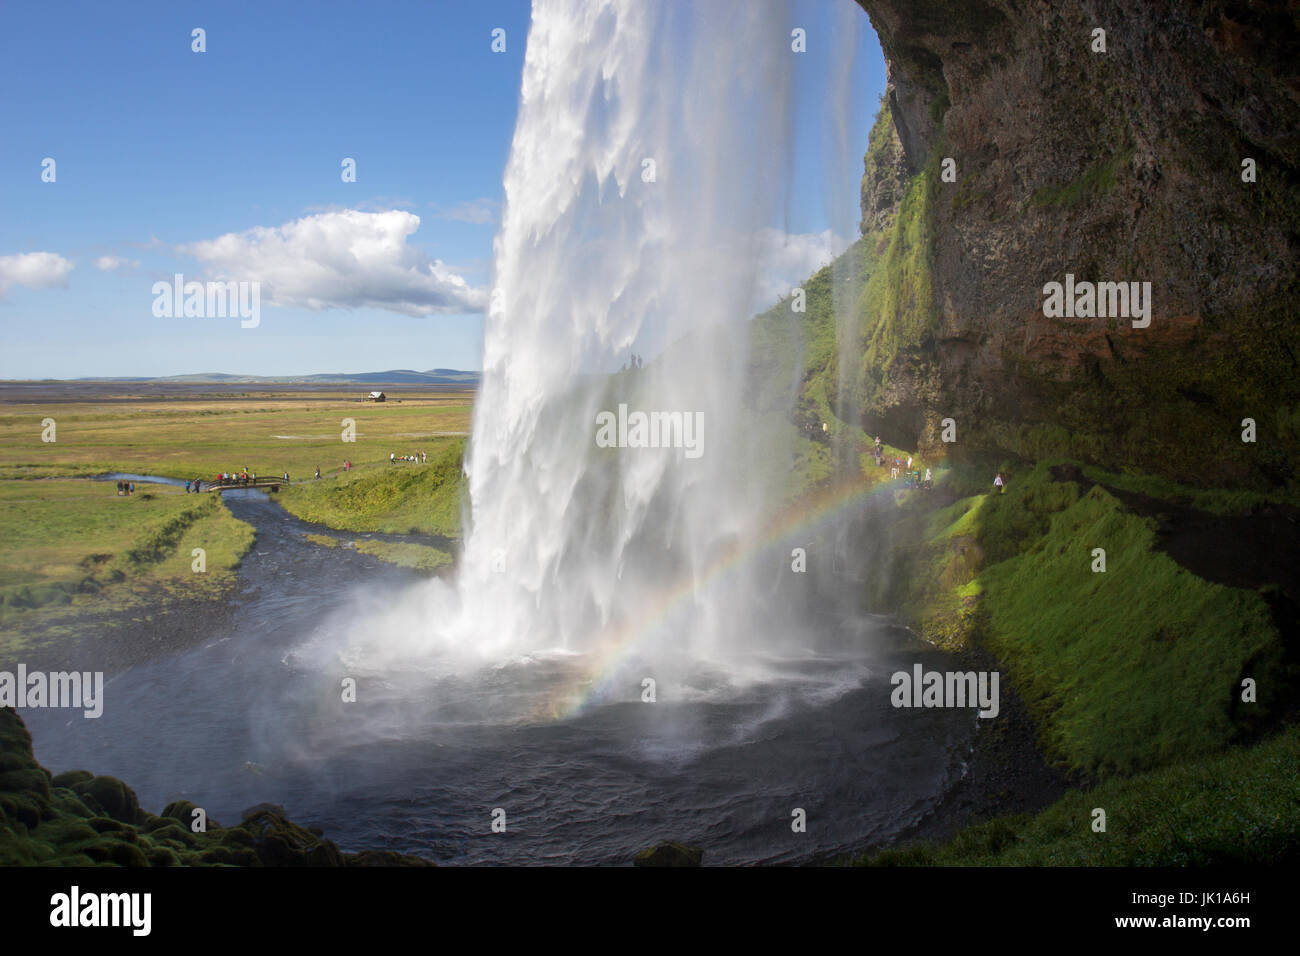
{"x": 163, "y": 856}
{"x": 111, "y": 797}
{"x": 228, "y": 856}
{"x": 64, "y": 801}
{"x": 183, "y": 810}
{"x": 278, "y": 841}
{"x": 254, "y": 810}
{"x": 70, "y": 778}
{"x": 24, "y": 784}
{"x": 670, "y": 854}
{"x": 20, "y": 808}
{"x": 117, "y": 828}
{"x": 117, "y": 853}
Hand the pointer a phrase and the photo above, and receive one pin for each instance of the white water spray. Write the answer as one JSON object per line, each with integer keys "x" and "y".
{"x": 653, "y": 146}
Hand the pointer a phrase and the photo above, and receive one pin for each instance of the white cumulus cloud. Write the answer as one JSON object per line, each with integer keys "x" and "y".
{"x": 34, "y": 270}
{"x": 343, "y": 259}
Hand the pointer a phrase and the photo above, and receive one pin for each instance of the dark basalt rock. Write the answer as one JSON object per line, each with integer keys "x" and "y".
{"x": 1115, "y": 166}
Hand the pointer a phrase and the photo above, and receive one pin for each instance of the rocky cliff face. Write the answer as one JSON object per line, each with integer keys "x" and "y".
{"x": 1126, "y": 166}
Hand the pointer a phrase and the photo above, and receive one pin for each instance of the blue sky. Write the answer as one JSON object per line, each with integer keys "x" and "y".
{"x": 160, "y": 151}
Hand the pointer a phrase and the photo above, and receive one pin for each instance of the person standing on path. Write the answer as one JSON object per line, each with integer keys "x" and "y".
{"x": 999, "y": 484}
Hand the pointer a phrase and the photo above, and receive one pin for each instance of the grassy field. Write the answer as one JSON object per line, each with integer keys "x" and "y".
{"x": 70, "y": 547}
{"x": 269, "y": 433}
{"x": 402, "y": 498}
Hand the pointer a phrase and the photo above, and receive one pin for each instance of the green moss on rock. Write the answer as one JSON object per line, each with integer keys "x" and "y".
{"x": 670, "y": 854}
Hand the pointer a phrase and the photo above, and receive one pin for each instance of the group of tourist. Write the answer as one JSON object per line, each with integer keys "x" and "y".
{"x": 193, "y": 487}
{"x": 912, "y": 477}
{"x": 419, "y": 456}
{"x": 244, "y": 477}
{"x": 126, "y": 487}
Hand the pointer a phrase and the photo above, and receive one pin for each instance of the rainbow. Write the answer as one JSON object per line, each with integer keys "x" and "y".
{"x": 597, "y": 667}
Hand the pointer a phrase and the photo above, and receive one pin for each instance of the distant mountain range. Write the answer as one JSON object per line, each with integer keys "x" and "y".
{"x": 399, "y": 376}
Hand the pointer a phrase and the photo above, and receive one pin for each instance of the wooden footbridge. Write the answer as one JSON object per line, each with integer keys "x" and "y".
{"x": 240, "y": 484}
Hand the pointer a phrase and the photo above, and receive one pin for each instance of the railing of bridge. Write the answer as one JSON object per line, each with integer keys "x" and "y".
{"x": 232, "y": 484}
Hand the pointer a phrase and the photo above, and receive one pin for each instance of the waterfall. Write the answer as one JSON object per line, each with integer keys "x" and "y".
{"x": 654, "y": 145}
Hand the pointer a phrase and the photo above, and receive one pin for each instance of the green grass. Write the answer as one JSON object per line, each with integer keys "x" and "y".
{"x": 403, "y": 498}
{"x": 1126, "y": 669}
{"x": 1239, "y": 807}
{"x": 1122, "y": 670}
{"x": 418, "y": 556}
{"x": 402, "y": 553}
{"x": 74, "y": 545}
{"x": 956, "y": 519}
{"x": 927, "y": 576}
{"x": 897, "y": 306}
